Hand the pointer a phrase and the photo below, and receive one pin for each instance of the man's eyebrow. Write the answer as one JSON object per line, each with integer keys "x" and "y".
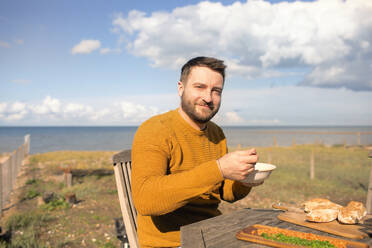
{"x": 218, "y": 88}
{"x": 198, "y": 83}
{"x": 215, "y": 87}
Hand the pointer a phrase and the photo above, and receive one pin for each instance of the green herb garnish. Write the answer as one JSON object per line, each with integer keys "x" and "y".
{"x": 298, "y": 241}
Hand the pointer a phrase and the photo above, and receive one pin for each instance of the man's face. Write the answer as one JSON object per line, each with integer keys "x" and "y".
{"x": 201, "y": 94}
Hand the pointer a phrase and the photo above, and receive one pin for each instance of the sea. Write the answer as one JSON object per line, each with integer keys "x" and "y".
{"x": 115, "y": 138}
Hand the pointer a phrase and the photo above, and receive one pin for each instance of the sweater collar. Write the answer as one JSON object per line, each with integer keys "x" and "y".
{"x": 180, "y": 120}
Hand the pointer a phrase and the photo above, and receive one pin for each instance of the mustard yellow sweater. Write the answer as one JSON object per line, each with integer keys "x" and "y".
{"x": 175, "y": 177}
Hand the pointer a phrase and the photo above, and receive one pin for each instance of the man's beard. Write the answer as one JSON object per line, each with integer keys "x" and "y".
{"x": 190, "y": 110}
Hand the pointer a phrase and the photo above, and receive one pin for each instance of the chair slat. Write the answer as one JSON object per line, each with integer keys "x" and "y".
{"x": 128, "y": 193}
{"x": 122, "y": 170}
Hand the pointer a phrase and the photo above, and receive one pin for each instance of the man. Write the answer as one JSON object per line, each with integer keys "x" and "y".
{"x": 180, "y": 166}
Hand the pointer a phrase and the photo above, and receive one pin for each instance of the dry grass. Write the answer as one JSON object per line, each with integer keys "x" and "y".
{"x": 341, "y": 174}
{"x": 90, "y": 223}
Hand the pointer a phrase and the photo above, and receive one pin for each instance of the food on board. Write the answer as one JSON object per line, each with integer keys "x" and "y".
{"x": 320, "y": 203}
{"x": 352, "y": 213}
{"x": 323, "y": 210}
{"x": 299, "y": 238}
{"x": 322, "y": 215}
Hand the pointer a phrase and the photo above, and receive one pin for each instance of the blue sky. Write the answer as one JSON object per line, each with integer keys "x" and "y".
{"x": 117, "y": 62}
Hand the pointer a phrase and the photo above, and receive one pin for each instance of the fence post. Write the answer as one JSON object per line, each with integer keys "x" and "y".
{"x": 358, "y": 136}
{"x": 68, "y": 177}
{"x": 27, "y": 144}
{"x": 6, "y": 179}
{"x": 369, "y": 194}
{"x": 10, "y": 171}
{"x": 312, "y": 169}
{"x": 14, "y": 167}
{"x": 275, "y": 143}
{"x": 19, "y": 160}
{"x": 293, "y": 141}
{"x": 22, "y": 155}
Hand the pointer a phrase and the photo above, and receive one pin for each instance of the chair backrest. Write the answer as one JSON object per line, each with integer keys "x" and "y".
{"x": 122, "y": 169}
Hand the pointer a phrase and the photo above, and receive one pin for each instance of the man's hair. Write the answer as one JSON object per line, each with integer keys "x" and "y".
{"x": 212, "y": 63}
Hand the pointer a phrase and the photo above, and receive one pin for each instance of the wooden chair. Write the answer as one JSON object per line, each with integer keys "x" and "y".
{"x": 122, "y": 169}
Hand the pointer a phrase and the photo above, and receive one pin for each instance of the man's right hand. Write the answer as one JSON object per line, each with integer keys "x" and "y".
{"x": 237, "y": 165}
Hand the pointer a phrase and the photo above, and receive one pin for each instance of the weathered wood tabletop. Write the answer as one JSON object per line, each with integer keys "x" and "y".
{"x": 220, "y": 231}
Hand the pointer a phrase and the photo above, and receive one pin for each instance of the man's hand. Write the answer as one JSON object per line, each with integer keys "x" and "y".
{"x": 237, "y": 165}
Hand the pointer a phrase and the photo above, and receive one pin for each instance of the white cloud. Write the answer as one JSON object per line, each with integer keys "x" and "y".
{"x": 282, "y": 105}
{"x": 137, "y": 112}
{"x": 3, "y": 106}
{"x": 110, "y": 50}
{"x": 54, "y": 111}
{"x": 354, "y": 74}
{"x": 86, "y": 46}
{"x": 297, "y": 105}
{"x": 17, "y": 107}
{"x": 13, "y": 112}
{"x": 264, "y": 122}
{"x": 49, "y": 106}
{"x": 260, "y": 39}
{"x": 77, "y": 110}
{"x": 101, "y": 114}
{"x": 4, "y": 44}
{"x": 105, "y": 50}
{"x": 233, "y": 117}
{"x": 364, "y": 44}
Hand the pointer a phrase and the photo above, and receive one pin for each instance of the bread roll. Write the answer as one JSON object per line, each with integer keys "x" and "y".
{"x": 322, "y": 215}
{"x": 320, "y": 203}
{"x": 352, "y": 213}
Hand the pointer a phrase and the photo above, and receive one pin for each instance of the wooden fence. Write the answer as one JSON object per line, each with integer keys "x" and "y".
{"x": 9, "y": 169}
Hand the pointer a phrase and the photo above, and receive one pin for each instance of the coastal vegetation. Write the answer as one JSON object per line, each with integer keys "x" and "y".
{"x": 341, "y": 174}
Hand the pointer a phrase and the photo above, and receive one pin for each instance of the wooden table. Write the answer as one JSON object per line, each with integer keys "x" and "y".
{"x": 220, "y": 231}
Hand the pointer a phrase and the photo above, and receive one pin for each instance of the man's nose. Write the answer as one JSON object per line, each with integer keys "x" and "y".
{"x": 207, "y": 96}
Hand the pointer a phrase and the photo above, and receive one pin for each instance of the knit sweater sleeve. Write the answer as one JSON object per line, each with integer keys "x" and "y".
{"x": 234, "y": 191}
{"x": 154, "y": 190}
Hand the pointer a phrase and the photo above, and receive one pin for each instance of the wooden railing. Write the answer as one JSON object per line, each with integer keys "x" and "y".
{"x": 9, "y": 169}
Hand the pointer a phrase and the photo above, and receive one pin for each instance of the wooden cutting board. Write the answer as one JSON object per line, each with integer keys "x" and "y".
{"x": 334, "y": 227}
{"x": 250, "y": 234}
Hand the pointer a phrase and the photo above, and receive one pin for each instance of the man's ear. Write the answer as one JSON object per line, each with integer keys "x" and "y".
{"x": 181, "y": 88}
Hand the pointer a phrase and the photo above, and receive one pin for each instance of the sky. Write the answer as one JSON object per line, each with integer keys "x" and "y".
{"x": 117, "y": 63}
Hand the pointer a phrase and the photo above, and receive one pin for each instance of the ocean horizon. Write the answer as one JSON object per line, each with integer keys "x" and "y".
{"x": 115, "y": 138}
